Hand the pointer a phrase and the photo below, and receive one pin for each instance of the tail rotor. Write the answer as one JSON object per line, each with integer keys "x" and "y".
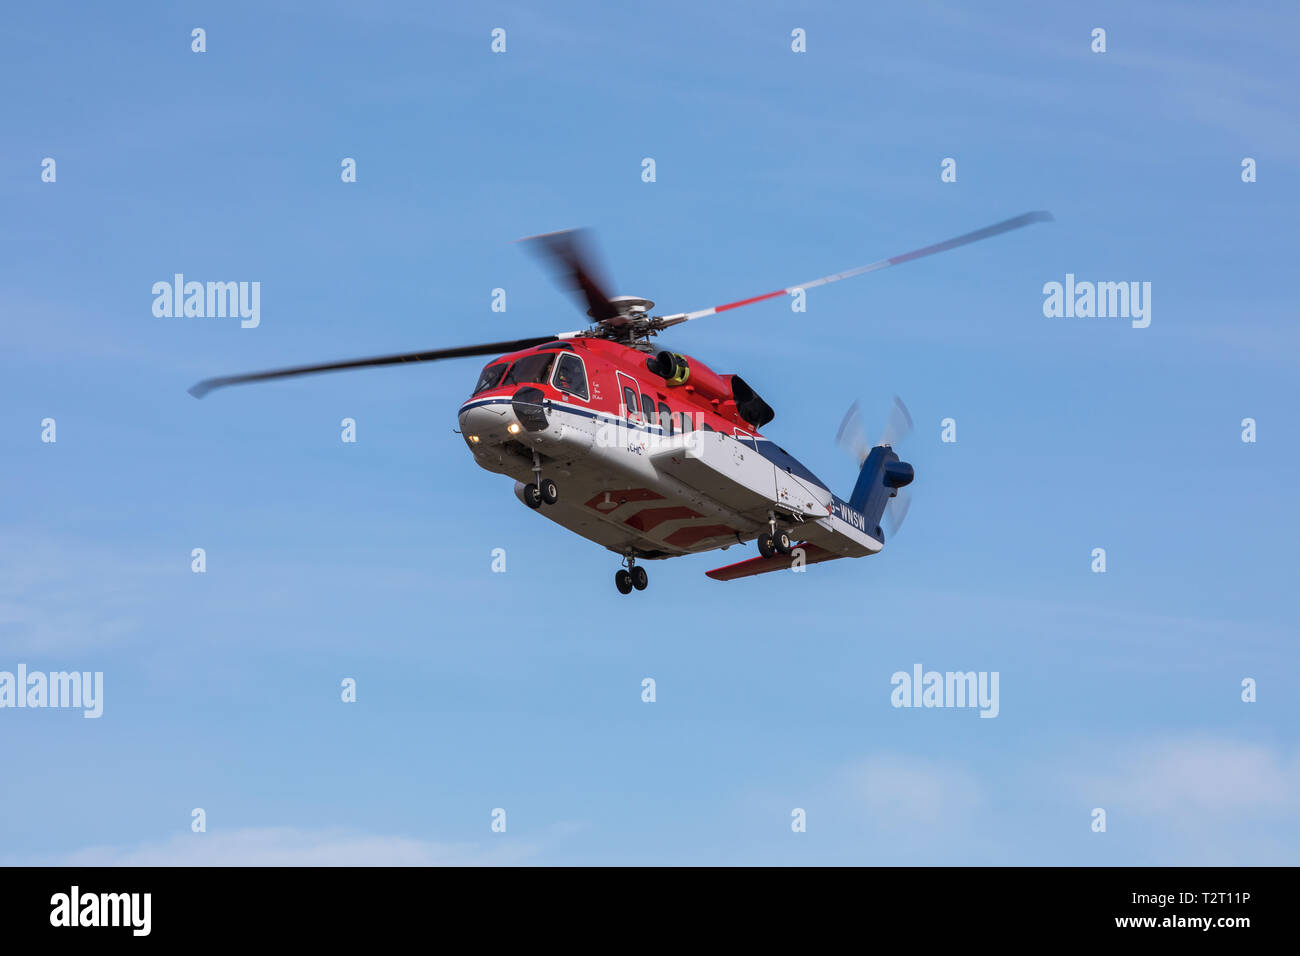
{"x": 893, "y": 486}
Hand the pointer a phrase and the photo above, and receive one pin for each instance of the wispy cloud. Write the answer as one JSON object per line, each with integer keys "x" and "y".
{"x": 897, "y": 788}
{"x": 1180, "y": 780}
{"x": 288, "y": 846}
{"x": 57, "y": 597}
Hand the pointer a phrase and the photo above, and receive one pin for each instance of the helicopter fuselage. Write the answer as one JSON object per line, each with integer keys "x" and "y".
{"x": 659, "y": 456}
{"x": 650, "y": 461}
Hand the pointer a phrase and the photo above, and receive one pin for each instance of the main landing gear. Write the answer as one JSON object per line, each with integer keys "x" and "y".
{"x": 633, "y": 576}
{"x": 542, "y": 490}
{"x": 774, "y": 542}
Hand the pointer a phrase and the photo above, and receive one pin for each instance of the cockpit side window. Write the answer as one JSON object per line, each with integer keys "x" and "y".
{"x": 490, "y": 377}
{"x": 571, "y": 376}
{"x": 530, "y": 370}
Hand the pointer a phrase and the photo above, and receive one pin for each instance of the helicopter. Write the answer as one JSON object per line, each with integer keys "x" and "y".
{"x": 649, "y": 452}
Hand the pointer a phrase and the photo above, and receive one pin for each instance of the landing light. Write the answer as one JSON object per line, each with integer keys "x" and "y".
{"x": 513, "y": 428}
{"x": 473, "y": 439}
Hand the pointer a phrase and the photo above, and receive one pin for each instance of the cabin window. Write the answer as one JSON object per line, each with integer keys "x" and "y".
{"x": 629, "y": 401}
{"x": 490, "y": 377}
{"x": 665, "y": 419}
{"x": 647, "y": 409}
{"x": 530, "y": 370}
{"x": 571, "y": 376}
{"x": 683, "y": 420}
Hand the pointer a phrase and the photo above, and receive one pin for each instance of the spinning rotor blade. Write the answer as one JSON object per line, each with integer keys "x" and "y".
{"x": 996, "y": 229}
{"x": 568, "y": 250}
{"x": 490, "y": 348}
{"x": 899, "y": 424}
{"x": 852, "y": 437}
{"x": 896, "y": 510}
{"x": 897, "y": 427}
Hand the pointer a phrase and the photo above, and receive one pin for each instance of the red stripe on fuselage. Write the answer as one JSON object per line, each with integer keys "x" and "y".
{"x": 649, "y": 518}
{"x": 685, "y": 537}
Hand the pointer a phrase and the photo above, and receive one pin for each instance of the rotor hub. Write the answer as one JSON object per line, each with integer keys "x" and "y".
{"x": 628, "y": 306}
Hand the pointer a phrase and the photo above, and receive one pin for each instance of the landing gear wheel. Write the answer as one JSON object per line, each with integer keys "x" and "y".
{"x": 766, "y": 546}
{"x": 550, "y": 493}
{"x": 782, "y": 542}
{"x": 623, "y": 581}
{"x": 639, "y": 578}
{"x": 532, "y": 496}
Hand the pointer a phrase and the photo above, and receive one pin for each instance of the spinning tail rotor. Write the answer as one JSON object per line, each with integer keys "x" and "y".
{"x": 883, "y": 476}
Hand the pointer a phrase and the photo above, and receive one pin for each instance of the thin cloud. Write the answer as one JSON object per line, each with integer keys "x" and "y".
{"x": 289, "y": 846}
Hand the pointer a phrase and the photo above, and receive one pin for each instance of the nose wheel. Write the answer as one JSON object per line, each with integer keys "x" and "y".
{"x": 536, "y": 495}
{"x": 633, "y": 576}
{"x": 543, "y": 491}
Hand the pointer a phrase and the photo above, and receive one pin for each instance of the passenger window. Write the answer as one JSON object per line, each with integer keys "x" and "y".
{"x": 665, "y": 419}
{"x": 571, "y": 376}
{"x": 683, "y": 421}
{"x": 629, "y": 400}
{"x": 647, "y": 409}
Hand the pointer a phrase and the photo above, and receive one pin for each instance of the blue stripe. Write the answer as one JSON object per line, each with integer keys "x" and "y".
{"x": 764, "y": 446}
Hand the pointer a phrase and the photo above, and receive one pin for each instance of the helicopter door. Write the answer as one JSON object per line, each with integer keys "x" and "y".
{"x": 628, "y": 392}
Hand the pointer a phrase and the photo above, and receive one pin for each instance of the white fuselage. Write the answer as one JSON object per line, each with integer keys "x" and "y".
{"x": 627, "y": 486}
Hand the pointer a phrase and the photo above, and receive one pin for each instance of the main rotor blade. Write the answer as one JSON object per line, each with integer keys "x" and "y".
{"x": 568, "y": 249}
{"x": 490, "y": 348}
{"x": 996, "y": 229}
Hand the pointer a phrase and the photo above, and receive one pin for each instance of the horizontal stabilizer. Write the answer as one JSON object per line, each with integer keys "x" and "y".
{"x": 809, "y": 553}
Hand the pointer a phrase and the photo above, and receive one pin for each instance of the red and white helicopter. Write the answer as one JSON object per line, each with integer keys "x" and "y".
{"x": 658, "y": 455}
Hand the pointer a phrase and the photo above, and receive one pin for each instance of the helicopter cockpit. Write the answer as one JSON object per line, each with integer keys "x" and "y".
{"x": 570, "y": 375}
{"x": 530, "y": 370}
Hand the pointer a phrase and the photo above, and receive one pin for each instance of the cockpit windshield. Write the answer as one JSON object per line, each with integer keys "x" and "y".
{"x": 490, "y": 377}
{"x": 530, "y": 370}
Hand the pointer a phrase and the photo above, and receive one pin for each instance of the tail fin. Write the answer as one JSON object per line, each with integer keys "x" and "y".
{"x": 881, "y": 476}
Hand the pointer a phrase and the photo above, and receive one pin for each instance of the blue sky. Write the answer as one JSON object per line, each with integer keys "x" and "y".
{"x": 522, "y": 690}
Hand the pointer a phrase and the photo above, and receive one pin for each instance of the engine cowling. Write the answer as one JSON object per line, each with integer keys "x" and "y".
{"x": 749, "y": 405}
{"x": 675, "y": 368}
{"x": 731, "y": 393}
